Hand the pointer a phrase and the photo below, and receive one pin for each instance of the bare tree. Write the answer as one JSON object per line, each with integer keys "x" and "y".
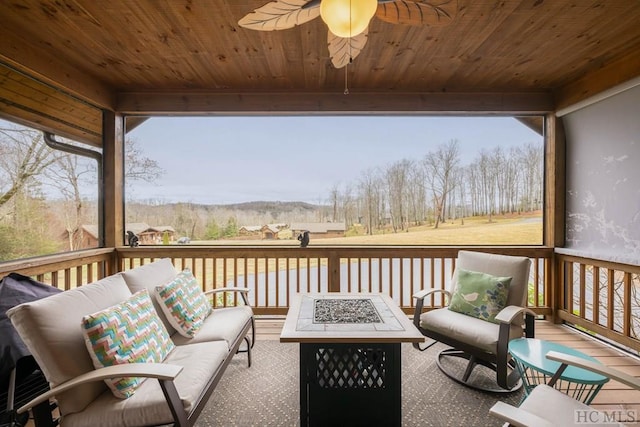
{"x": 416, "y": 194}
{"x": 24, "y": 157}
{"x": 371, "y": 196}
{"x": 334, "y": 198}
{"x": 138, "y": 167}
{"x": 67, "y": 177}
{"x": 396, "y": 188}
{"x": 439, "y": 166}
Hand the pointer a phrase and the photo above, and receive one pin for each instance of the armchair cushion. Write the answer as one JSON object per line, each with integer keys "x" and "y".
{"x": 467, "y": 329}
{"x": 479, "y": 294}
{"x": 184, "y": 304}
{"x": 128, "y": 332}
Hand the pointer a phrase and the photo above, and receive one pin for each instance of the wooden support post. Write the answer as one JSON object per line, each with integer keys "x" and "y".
{"x": 555, "y": 189}
{"x": 113, "y": 185}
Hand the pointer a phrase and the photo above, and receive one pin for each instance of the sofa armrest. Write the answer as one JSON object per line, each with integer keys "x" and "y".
{"x": 160, "y": 371}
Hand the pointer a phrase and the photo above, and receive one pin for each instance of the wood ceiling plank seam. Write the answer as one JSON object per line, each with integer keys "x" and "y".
{"x": 467, "y": 47}
{"x": 28, "y": 95}
{"x": 37, "y": 104}
{"x": 54, "y": 99}
{"x": 203, "y": 47}
{"x": 173, "y": 13}
{"x": 36, "y": 119}
{"x": 316, "y": 68}
{"x": 52, "y": 70}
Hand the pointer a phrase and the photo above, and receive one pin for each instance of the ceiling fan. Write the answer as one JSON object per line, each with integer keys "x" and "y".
{"x": 348, "y": 20}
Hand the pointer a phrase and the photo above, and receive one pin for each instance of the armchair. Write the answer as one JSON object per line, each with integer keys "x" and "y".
{"x": 478, "y": 336}
{"x": 546, "y": 406}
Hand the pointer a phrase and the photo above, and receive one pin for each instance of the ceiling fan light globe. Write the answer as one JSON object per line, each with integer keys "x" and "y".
{"x": 347, "y": 18}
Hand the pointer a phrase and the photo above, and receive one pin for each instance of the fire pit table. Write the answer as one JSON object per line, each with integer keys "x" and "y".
{"x": 350, "y": 357}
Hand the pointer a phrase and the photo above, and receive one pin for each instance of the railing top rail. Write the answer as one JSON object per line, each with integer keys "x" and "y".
{"x": 598, "y": 263}
{"x": 42, "y": 264}
{"x": 270, "y": 251}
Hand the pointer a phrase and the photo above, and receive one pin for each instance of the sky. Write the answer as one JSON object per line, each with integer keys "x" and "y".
{"x": 221, "y": 160}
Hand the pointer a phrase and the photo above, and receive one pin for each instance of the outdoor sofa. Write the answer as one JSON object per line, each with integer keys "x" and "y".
{"x": 58, "y": 332}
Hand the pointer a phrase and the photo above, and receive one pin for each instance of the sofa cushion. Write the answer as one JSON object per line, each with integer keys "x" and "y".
{"x": 473, "y": 331}
{"x": 223, "y": 324}
{"x": 50, "y": 328}
{"x": 148, "y": 406}
{"x": 128, "y": 332}
{"x": 148, "y": 277}
{"x": 479, "y": 294}
{"x": 183, "y": 303}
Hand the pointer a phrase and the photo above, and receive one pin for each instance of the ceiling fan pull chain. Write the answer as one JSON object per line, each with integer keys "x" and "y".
{"x": 346, "y": 80}
{"x": 346, "y": 67}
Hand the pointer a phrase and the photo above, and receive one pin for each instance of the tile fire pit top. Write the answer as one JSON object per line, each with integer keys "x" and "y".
{"x": 339, "y": 310}
{"x": 346, "y": 313}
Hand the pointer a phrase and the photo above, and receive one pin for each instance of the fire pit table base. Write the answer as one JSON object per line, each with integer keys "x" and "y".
{"x": 350, "y": 384}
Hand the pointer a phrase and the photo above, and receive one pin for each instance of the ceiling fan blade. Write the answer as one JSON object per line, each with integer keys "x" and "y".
{"x": 279, "y": 15}
{"x": 419, "y": 12}
{"x": 344, "y": 50}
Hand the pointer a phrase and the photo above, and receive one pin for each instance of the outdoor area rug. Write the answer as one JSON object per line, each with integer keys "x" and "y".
{"x": 267, "y": 393}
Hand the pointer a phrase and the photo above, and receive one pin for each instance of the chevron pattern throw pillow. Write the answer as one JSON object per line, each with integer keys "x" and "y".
{"x": 184, "y": 303}
{"x": 130, "y": 332}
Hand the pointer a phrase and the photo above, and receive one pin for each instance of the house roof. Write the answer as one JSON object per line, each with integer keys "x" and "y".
{"x": 163, "y": 228}
{"x": 136, "y": 227}
{"x": 92, "y": 230}
{"x": 251, "y": 228}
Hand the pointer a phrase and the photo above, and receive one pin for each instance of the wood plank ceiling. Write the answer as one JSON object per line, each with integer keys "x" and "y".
{"x": 102, "y": 50}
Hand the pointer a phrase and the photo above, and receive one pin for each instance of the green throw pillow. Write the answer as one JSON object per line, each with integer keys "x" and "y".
{"x": 480, "y": 295}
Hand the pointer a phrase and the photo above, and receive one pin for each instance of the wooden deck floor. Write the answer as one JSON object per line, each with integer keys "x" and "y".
{"x": 613, "y": 396}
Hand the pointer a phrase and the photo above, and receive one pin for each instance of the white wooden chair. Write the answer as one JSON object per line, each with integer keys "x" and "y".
{"x": 547, "y": 406}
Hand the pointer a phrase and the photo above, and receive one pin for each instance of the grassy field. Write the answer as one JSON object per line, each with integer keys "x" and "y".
{"x": 503, "y": 230}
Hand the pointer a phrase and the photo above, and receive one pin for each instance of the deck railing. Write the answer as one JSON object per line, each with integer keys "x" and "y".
{"x": 274, "y": 274}
{"x": 600, "y": 296}
{"x": 65, "y": 271}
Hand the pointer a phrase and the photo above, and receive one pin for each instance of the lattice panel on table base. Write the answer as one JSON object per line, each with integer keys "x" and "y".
{"x": 351, "y": 367}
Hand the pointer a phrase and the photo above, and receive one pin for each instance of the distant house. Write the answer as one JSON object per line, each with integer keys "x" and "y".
{"x": 84, "y": 238}
{"x": 148, "y": 235}
{"x": 269, "y": 232}
{"x": 319, "y": 230}
{"x": 157, "y": 232}
{"x": 249, "y": 230}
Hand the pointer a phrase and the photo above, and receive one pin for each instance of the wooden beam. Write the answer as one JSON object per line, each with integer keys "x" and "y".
{"x": 333, "y": 103}
{"x": 113, "y": 163}
{"x": 555, "y": 178}
{"x": 609, "y": 75}
{"x": 44, "y": 66}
